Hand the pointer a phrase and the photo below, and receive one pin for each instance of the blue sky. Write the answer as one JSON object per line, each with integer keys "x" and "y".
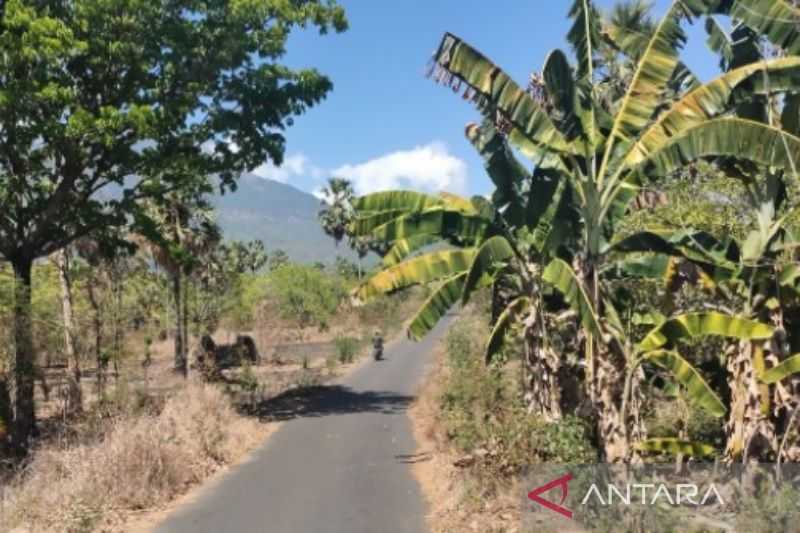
{"x": 385, "y": 125}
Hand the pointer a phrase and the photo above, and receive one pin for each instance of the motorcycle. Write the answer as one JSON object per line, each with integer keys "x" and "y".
{"x": 377, "y": 349}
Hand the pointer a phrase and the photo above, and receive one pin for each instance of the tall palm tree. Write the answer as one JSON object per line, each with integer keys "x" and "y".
{"x": 337, "y": 214}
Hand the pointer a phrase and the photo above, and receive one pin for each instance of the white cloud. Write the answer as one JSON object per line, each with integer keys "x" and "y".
{"x": 426, "y": 168}
{"x": 295, "y": 165}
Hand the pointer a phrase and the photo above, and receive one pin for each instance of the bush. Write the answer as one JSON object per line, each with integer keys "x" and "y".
{"x": 306, "y": 295}
{"x": 139, "y": 461}
{"x": 346, "y": 348}
{"x": 485, "y": 415}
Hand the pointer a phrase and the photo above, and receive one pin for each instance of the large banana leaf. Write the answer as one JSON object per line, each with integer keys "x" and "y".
{"x": 649, "y": 83}
{"x": 560, "y": 275}
{"x": 777, "y": 19}
{"x": 418, "y": 270}
{"x": 437, "y": 221}
{"x": 709, "y": 101}
{"x": 740, "y": 48}
{"x": 696, "y": 387}
{"x": 491, "y": 252}
{"x": 693, "y": 325}
{"x": 503, "y": 168}
{"x": 787, "y": 367}
{"x": 436, "y": 306}
{"x": 697, "y": 246}
{"x": 719, "y": 41}
{"x": 674, "y": 446}
{"x": 561, "y": 91}
{"x": 405, "y": 247}
{"x": 365, "y": 225}
{"x": 558, "y": 222}
{"x": 734, "y": 137}
{"x": 584, "y": 35}
{"x": 394, "y": 200}
{"x": 652, "y": 266}
{"x": 493, "y": 89}
{"x": 504, "y": 321}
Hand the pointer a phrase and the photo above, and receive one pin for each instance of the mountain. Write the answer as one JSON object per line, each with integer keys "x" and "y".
{"x": 279, "y": 215}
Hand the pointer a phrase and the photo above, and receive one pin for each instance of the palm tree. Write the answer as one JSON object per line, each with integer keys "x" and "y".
{"x": 184, "y": 229}
{"x": 337, "y": 212}
{"x": 593, "y": 153}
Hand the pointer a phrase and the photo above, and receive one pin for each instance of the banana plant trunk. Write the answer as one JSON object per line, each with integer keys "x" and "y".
{"x": 542, "y": 368}
{"x": 606, "y": 365}
{"x": 750, "y": 431}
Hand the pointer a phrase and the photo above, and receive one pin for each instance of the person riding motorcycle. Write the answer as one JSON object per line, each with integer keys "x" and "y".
{"x": 377, "y": 346}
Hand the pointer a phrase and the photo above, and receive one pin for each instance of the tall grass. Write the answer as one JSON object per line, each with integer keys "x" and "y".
{"x": 140, "y": 459}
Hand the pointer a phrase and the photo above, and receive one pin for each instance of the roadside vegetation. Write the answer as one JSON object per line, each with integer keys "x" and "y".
{"x": 614, "y": 291}
{"x": 643, "y": 268}
{"x": 143, "y": 434}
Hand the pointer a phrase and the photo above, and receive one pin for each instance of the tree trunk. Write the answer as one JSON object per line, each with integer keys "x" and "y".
{"x": 750, "y": 434}
{"x": 185, "y": 317}
{"x": 607, "y": 368}
{"x": 177, "y": 296}
{"x": 542, "y": 367}
{"x": 24, "y": 423}
{"x": 97, "y": 323}
{"x": 74, "y": 394}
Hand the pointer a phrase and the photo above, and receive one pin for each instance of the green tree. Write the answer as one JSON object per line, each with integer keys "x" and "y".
{"x": 277, "y": 259}
{"x": 97, "y": 91}
{"x": 337, "y": 216}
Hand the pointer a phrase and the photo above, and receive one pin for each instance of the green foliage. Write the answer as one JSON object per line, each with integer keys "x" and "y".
{"x": 305, "y": 295}
{"x": 485, "y": 415}
{"x": 346, "y": 348}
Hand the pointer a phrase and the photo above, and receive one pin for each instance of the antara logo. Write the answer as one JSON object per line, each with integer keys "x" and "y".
{"x": 562, "y": 482}
{"x": 636, "y": 493}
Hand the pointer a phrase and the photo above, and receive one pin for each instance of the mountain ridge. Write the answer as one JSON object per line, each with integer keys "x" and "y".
{"x": 279, "y": 214}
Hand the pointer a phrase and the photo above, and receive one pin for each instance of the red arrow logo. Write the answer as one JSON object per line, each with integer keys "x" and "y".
{"x": 560, "y": 482}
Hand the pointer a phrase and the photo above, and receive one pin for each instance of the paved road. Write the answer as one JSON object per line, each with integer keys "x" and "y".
{"x": 339, "y": 464}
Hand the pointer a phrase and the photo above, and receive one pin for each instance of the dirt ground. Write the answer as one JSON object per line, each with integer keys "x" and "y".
{"x": 448, "y": 488}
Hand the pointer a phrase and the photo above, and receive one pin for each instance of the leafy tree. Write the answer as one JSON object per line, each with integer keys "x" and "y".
{"x": 277, "y": 259}
{"x": 95, "y": 92}
{"x": 337, "y": 212}
{"x": 337, "y": 216}
{"x": 305, "y": 295}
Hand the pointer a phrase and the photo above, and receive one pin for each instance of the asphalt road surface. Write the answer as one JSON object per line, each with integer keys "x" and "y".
{"x": 341, "y": 462}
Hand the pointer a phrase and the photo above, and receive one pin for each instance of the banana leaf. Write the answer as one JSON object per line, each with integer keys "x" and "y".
{"x": 694, "y": 325}
{"x": 436, "y": 306}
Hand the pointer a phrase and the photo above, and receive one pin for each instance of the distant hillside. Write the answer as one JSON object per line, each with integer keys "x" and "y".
{"x": 279, "y": 215}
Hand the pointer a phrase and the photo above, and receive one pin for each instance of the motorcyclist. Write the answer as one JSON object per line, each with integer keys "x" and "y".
{"x": 377, "y": 345}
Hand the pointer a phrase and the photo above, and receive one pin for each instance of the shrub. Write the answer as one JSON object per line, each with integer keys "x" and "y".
{"x": 346, "y": 348}
{"x": 485, "y": 414}
{"x": 306, "y": 295}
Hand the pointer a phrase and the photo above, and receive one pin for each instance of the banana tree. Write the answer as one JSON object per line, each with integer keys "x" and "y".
{"x": 529, "y": 218}
{"x": 606, "y": 152}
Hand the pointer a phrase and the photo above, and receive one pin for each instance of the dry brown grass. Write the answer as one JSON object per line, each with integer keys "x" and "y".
{"x": 142, "y": 459}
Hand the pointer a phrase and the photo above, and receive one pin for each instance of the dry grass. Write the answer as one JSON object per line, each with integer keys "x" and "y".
{"x": 140, "y": 460}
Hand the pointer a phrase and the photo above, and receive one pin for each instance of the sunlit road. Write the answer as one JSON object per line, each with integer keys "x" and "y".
{"x": 339, "y": 464}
